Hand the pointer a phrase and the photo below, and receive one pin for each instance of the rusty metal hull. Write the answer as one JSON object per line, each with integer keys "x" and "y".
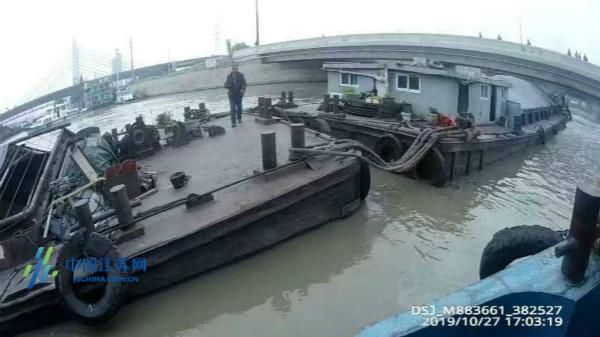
{"x": 449, "y": 158}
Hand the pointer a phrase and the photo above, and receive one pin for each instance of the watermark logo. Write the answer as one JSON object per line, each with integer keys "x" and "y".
{"x": 42, "y": 267}
{"x": 88, "y": 269}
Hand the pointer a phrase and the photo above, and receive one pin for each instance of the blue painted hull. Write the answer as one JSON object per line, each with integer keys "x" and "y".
{"x": 561, "y": 308}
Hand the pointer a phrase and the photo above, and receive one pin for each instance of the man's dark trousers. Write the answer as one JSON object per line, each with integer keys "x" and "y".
{"x": 236, "y": 109}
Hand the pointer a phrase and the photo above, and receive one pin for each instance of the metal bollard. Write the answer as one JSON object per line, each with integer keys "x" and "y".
{"x": 122, "y": 206}
{"x": 298, "y": 139}
{"x": 582, "y": 233}
{"x": 298, "y": 135}
{"x": 84, "y": 216}
{"x": 326, "y": 103}
{"x": 336, "y": 101}
{"x": 282, "y": 98}
{"x": 269, "y": 150}
{"x": 291, "y": 97}
{"x": 202, "y": 106}
{"x": 261, "y": 104}
{"x": 268, "y": 114}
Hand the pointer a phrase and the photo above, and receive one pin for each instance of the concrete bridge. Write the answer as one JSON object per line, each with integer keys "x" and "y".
{"x": 577, "y": 77}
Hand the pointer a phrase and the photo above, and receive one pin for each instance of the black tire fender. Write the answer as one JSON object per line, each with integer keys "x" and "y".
{"x": 510, "y": 244}
{"x": 114, "y": 293}
{"x": 432, "y": 168}
{"x": 365, "y": 179}
{"x": 321, "y": 125}
{"x": 138, "y": 137}
{"x": 541, "y": 135}
{"x": 389, "y": 148}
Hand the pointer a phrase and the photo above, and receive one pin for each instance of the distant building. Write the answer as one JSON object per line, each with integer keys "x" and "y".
{"x": 99, "y": 92}
{"x": 117, "y": 62}
{"x": 425, "y": 85}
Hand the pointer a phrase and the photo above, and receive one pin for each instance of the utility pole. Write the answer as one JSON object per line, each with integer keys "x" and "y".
{"x": 131, "y": 58}
{"x": 257, "y": 26}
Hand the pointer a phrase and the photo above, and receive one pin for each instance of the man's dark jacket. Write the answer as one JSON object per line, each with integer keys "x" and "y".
{"x": 236, "y": 83}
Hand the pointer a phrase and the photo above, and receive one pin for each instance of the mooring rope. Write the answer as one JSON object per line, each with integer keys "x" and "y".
{"x": 351, "y": 148}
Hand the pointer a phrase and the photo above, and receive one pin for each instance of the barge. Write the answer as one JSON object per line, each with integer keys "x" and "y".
{"x": 396, "y": 109}
{"x": 457, "y": 150}
{"x": 177, "y": 211}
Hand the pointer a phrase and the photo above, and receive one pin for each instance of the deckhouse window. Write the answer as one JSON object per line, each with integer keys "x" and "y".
{"x": 348, "y": 79}
{"x": 410, "y": 83}
{"x": 484, "y": 91}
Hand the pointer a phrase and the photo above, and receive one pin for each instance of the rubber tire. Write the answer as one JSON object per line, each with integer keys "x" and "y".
{"x": 514, "y": 243}
{"x": 365, "y": 180}
{"x": 322, "y": 126}
{"x": 138, "y": 137}
{"x": 542, "y": 135}
{"x": 114, "y": 295}
{"x": 389, "y": 148}
{"x": 439, "y": 176}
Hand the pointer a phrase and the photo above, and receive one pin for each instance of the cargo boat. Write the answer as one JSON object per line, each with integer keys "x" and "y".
{"x": 456, "y": 151}
{"x": 241, "y": 194}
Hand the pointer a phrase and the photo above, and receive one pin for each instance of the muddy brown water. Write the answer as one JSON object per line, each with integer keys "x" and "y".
{"x": 407, "y": 245}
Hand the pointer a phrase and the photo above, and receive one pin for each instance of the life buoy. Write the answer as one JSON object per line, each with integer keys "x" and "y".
{"x": 389, "y": 148}
{"x": 91, "y": 311}
{"x": 513, "y": 243}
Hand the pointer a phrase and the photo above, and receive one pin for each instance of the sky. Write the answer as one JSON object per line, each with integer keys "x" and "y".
{"x": 37, "y": 36}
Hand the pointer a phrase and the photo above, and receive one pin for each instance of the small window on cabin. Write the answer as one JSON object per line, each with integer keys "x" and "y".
{"x": 484, "y": 91}
{"x": 411, "y": 83}
{"x": 348, "y": 79}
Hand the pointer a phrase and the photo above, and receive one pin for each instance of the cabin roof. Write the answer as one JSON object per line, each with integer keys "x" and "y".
{"x": 527, "y": 94}
{"x": 427, "y": 68}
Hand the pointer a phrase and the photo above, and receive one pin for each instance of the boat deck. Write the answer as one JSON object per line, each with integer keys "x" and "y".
{"x": 212, "y": 163}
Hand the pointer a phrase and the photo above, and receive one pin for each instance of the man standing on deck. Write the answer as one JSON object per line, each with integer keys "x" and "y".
{"x": 236, "y": 83}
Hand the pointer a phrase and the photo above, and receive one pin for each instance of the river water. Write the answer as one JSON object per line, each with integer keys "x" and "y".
{"x": 407, "y": 245}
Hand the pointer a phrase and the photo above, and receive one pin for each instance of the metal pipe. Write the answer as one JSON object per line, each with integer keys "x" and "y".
{"x": 41, "y": 132}
{"x": 14, "y": 219}
{"x": 582, "y": 233}
{"x": 121, "y": 203}
{"x": 269, "y": 150}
